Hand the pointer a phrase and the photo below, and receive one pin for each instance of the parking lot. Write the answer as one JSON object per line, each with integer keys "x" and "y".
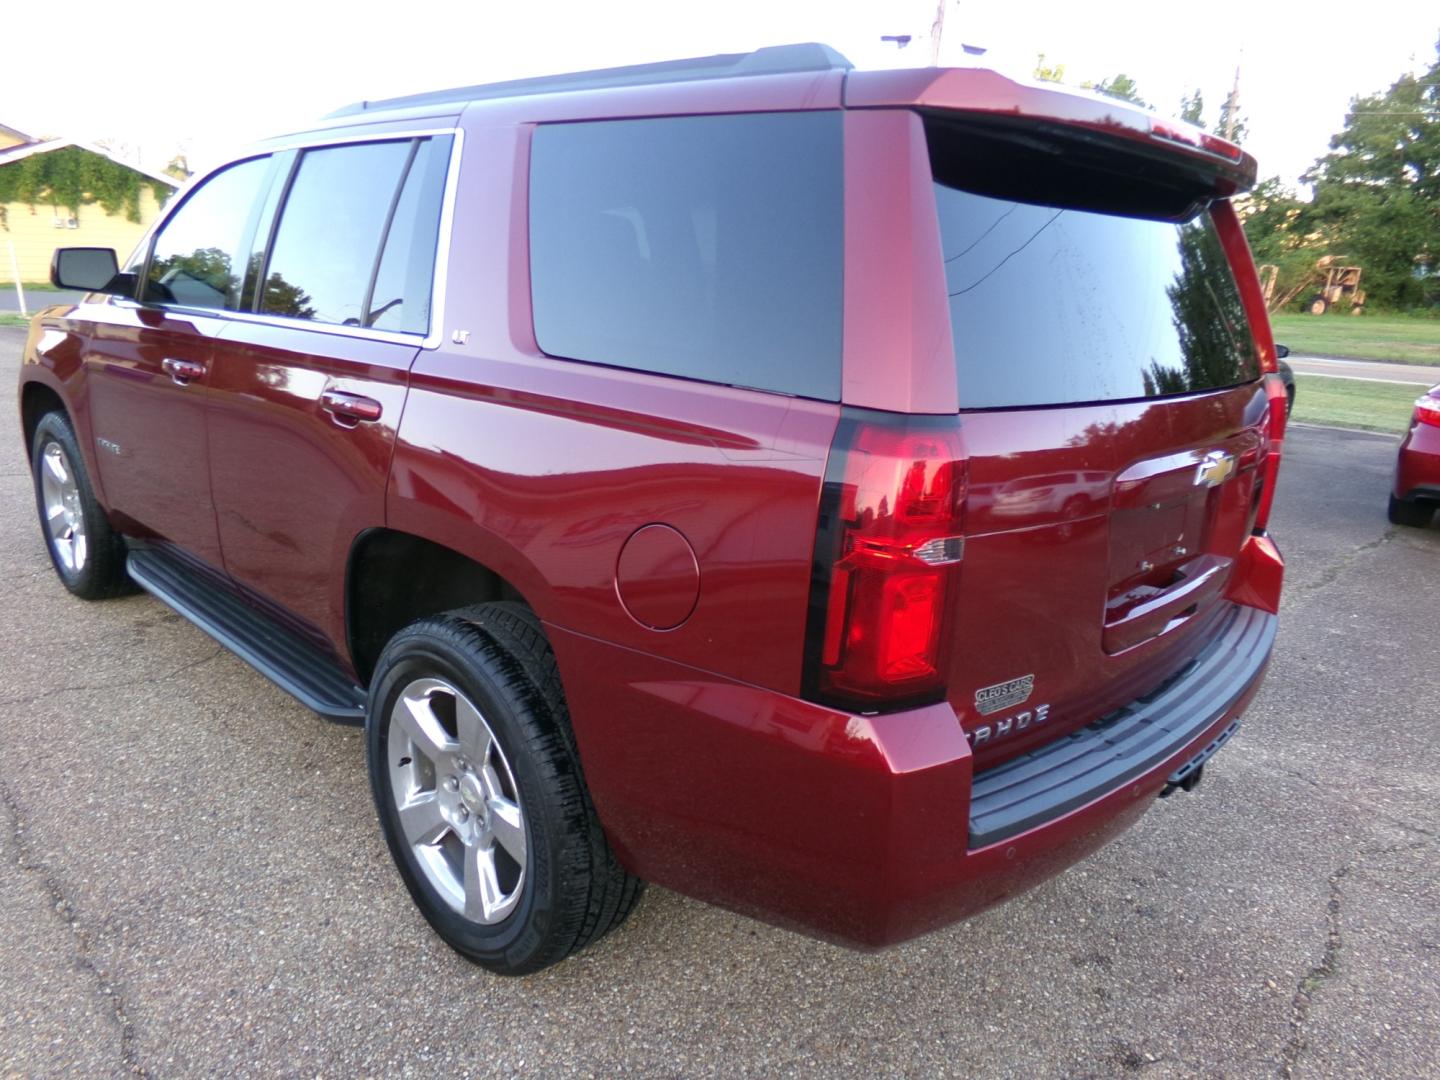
{"x": 193, "y": 881}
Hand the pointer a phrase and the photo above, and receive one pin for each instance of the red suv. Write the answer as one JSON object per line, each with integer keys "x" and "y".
{"x": 836, "y": 495}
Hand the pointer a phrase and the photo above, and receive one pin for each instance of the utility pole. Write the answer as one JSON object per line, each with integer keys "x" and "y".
{"x": 1232, "y": 107}
{"x": 937, "y": 29}
{"x": 15, "y": 273}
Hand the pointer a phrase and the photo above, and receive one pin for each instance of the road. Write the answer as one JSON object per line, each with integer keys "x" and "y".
{"x": 193, "y": 881}
{"x": 34, "y": 299}
{"x": 1364, "y": 369}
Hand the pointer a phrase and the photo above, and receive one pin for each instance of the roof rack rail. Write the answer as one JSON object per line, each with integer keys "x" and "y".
{"x": 772, "y": 60}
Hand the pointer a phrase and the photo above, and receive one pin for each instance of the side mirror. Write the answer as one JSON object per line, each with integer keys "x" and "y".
{"x": 90, "y": 269}
{"x": 1281, "y": 351}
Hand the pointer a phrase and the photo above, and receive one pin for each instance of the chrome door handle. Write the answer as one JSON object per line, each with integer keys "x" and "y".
{"x": 352, "y": 407}
{"x": 182, "y": 371}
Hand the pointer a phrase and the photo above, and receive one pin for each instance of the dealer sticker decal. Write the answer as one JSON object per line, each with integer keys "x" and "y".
{"x": 992, "y": 699}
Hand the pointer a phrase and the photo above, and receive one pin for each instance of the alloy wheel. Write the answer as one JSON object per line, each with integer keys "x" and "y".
{"x": 64, "y": 518}
{"x": 456, "y": 800}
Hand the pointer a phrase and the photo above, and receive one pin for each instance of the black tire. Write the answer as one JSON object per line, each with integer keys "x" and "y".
{"x": 574, "y": 890}
{"x": 1318, "y": 305}
{"x": 1289, "y": 399}
{"x": 100, "y": 574}
{"x": 1413, "y": 514}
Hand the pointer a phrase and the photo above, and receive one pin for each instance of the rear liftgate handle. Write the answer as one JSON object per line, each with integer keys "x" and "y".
{"x": 350, "y": 409}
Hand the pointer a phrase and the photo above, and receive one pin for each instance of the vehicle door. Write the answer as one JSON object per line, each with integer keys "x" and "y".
{"x": 149, "y": 360}
{"x": 307, "y": 391}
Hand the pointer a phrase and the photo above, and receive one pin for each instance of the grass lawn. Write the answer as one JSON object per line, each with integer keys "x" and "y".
{"x": 1401, "y": 339}
{"x": 7, "y": 319}
{"x": 1371, "y": 406}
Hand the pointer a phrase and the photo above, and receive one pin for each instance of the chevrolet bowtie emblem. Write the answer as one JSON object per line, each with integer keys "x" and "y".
{"x": 1215, "y": 468}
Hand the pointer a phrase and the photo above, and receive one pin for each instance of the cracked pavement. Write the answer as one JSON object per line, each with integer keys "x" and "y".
{"x": 193, "y": 881}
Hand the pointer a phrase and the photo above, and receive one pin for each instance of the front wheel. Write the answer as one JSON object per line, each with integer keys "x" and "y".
{"x": 480, "y": 795}
{"x": 87, "y": 554}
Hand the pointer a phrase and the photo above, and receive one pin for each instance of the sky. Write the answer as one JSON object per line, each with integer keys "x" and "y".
{"x": 189, "y": 78}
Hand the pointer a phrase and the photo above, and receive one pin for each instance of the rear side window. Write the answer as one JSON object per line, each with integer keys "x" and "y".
{"x": 400, "y": 297}
{"x": 355, "y": 243}
{"x": 195, "y": 261}
{"x": 709, "y": 247}
{"x": 1052, "y": 305}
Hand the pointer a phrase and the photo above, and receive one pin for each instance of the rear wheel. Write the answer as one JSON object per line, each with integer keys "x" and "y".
{"x": 1317, "y": 306}
{"x": 480, "y": 795}
{"x": 87, "y": 554}
{"x": 1414, "y": 514}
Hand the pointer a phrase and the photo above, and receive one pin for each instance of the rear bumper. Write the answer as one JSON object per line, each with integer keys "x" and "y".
{"x": 1126, "y": 745}
{"x": 870, "y": 830}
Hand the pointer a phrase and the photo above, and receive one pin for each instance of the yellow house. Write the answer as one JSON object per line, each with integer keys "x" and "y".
{"x": 10, "y": 137}
{"x": 36, "y": 229}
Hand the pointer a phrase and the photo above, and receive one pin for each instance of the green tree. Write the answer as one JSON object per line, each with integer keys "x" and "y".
{"x": 1209, "y": 321}
{"x": 283, "y": 298}
{"x": 1271, "y": 213}
{"x": 1377, "y": 193}
{"x": 1120, "y": 86}
{"x": 1192, "y": 108}
{"x": 1274, "y": 219}
{"x": 200, "y": 275}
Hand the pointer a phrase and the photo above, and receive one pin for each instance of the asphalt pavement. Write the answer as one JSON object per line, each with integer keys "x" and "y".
{"x": 193, "y": 882}
{"x": 35, "y": 299}
{"x": 1368, "y": 370}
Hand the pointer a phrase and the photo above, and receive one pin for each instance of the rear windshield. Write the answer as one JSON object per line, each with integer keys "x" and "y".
{"x": 1055, "y": 306}
{"x": 708, "y": 247}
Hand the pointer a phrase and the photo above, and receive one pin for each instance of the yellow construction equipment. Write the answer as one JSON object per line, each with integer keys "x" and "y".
{"x": 1328, "y": 283}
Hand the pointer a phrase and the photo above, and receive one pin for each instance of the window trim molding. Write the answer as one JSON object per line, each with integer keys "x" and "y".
{"x": 429, "y": 340}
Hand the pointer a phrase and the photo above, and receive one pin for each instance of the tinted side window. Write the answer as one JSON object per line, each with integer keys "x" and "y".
{"x": 330, "y": 231}
{"x": 709, "y": 247}
{"x": 400, "y": 297}
{"x": 196, "y": 260}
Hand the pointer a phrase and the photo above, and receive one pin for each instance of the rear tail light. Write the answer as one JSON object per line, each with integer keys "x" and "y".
{"x": 1172, "y": 131}
{"x": 1223, "y": 147}
{"x": 887, "y": 552}
{"x": 1427, "y": 411}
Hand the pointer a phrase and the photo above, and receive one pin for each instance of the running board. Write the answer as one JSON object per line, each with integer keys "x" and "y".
{"x": 288, "y": 660}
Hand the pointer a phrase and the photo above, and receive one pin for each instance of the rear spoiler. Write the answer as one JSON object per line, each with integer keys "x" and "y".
{"x": 986, "y": 100}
